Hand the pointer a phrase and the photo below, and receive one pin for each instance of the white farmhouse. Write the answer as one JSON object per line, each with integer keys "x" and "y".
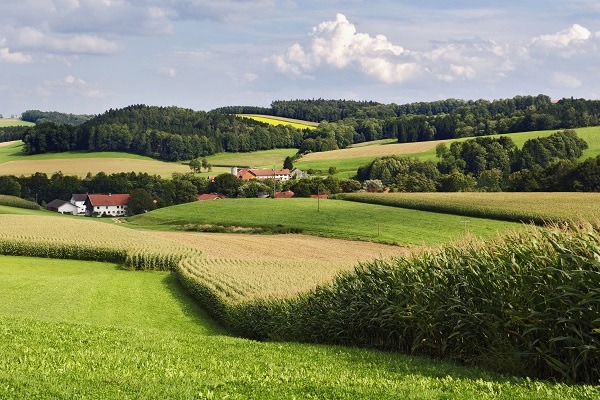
{"x": 61, "y": 206}
{"x": 78, "y": 200}
{"x": 106, "y": 204}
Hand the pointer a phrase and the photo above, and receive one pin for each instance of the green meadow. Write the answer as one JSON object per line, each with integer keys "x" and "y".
{"x": 328, "y": 218}
{"x": 73, "y": 329}
{"x": 14, "y": 122}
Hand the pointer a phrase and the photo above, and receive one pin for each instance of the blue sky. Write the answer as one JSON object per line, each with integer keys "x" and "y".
{"x": 86, "y": 56}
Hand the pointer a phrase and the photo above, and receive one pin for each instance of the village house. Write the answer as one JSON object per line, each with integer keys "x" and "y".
{"x": 210, "y": 196}
{"x": 61, "y": 206}
{"x": 106, "y": 204}
{"x": 247, "y": 174}
{"x": 78, "y": 200}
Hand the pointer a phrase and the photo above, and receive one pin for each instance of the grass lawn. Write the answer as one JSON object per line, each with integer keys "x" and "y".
{"x": 24, "y": 211}
{"x": 336, "y": 218}
{"x": 72, "y": 329}
{"x": 261, "y": 159}
{"x": 14, "y": 122}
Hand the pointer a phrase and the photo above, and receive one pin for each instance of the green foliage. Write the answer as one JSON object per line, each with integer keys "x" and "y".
{"x": 12, "y": 201}
{"x": 37, "y": 117}
{"x": 123, "y": 334}
{"x": 226, "y": 184}
{"x": 140, "y": 201}
{"x": 288, "y": 163}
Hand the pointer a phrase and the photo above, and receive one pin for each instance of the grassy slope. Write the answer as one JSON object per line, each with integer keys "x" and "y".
{"x": 261, "y": 159}
{"x": 339, "y": 219}
{"x": 502, "y": 206}
{"x": 14, "y": 122}
{"x": 347, "y": 167}
{"x": 80, "y": 329}
{"x": 23, "y": 211}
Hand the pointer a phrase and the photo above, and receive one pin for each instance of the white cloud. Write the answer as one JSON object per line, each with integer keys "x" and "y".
{"x": 14, "y": 57}
{"x": 35, "y": 39}
{"x": 572, "y": 35}
{"x": 169, "y": 72}
{"x": 337, "y": 44}
{"x": 564, "y": 80}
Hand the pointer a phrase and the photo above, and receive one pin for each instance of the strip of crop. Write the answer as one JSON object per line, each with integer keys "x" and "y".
{"x": 12, "y": 201}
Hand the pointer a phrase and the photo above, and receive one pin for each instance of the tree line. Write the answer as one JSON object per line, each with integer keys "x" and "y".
{"x": 38, "y": 117}
{"x": 168, "y": 133}
{"x": 492, "y": 164}
{"x": 10, "y": 133}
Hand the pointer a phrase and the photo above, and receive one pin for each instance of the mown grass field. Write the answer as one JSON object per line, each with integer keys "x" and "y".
{"x": 348, "y": 160}
{"x": 14, "y": 162}
{"x": 14, "y": 122}
{"x": 273, "y": 120}
{"x": 536, "y": 207}
{"x": 339, "y": 219}
{"x": 260, "y": 159}
{"x": 78, "y": 329}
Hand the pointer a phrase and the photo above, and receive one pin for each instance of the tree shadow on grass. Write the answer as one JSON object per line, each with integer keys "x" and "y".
{"x": 191, "y": 308}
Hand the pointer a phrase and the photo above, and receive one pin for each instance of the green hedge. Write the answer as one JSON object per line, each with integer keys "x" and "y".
{"x": 528, "y": 303}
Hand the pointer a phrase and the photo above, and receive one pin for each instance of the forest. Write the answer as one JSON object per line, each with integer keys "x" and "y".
{"x": 10, "y": 133}
{"x": 491, "y": 165}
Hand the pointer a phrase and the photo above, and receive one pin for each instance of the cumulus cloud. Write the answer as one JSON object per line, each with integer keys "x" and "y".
{"x": 337, "y": 44}
{"x": 14, "y": 57}
{"x": 574, "y": 34}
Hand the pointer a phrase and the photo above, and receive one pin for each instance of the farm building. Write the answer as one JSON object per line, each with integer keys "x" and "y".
{"x": 247, "y": 174}
{"x": 78, "y": 200}
{"x": 107, "y": 204}
{"x": 210, "y": 196}
{"x": 297, "y": 173}
{"x": 61, "y": 206}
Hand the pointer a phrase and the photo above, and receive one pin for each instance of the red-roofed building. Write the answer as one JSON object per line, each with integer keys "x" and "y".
{"x": 284, "y": 195}
{"x": 210, "y": 196}
{"x": 107, "y": 204}
{"x": 319, "y": 196}
{"x": 257, "y": 173}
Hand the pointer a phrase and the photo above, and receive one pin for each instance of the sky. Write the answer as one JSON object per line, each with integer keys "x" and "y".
{"x": 87, "y": 56}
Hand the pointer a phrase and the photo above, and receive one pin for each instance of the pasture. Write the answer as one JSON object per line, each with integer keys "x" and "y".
{"x": 260, "y": 159}
{"x": 274, "y": 120}
{"x": 6, "y": 122}
{"x": 348, "y": 160}
{"x": 508, "y": 206}
{"x": 337, "y": 219}
{"x": 79, "y": 329}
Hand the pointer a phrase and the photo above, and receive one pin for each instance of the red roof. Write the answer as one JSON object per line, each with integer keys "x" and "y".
{"x": 319, "y": 196}
{"x": 284, "y": 195}
{"x": 108, "y": 199}
{"x": 210, "y": 196}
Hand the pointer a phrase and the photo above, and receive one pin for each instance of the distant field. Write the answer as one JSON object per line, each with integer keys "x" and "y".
{"x": 14, "y": 162}
{"x": 14, "y": 122}
{"x": 273, "y": 120}
{"x": 348, "y": 160}
{"x": 338, "y": 219}
{"x": 538, "y": 207}
{"x": 261, "y": 159}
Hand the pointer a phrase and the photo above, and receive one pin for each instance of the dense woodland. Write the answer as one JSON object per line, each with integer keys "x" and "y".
{"x": 174, "y": 134}
{"x": 39, "y": 117}
{"x": 168, "y": 133}
{"x": 10, "y": 133}
{"x": 489, "y": 164}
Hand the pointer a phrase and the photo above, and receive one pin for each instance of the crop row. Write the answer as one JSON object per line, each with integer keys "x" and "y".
{"x": 12, "y": 201}
{"x": 527, "y": 303}
{"x": 539, "y": 208}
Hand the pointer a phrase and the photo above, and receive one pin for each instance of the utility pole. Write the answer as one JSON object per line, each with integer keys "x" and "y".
{"x": 378, "y": 219}
{"x": 318, "y": 198}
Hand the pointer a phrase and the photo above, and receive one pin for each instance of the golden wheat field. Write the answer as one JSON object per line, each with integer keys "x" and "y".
{"x": 81, "y": 166}
{"x": 373, "y": 151}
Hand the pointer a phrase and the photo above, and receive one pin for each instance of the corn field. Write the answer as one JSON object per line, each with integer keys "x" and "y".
{"x": 539, "y": 208}
{"x": 52, "y": 237}
{"x": 12, "y": 201}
